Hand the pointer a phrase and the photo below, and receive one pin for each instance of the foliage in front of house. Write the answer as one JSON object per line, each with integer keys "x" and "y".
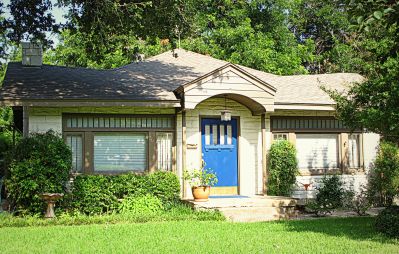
{"x": 387, "y": 221}
{"x": 39, "y": 163}
{"x": 329, "y": 196}
{"x": 384, "y": 176}
{"x": 283, "y": 168}
{"x": 98, "y": 194}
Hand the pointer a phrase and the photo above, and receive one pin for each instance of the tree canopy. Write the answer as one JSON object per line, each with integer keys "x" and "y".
{"x": 277, "y": 36}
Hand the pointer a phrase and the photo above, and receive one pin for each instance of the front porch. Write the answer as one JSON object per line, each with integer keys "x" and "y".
{"x": 249, "y": 209}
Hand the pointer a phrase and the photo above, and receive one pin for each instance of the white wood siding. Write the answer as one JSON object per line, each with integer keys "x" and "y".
{"x": 249, "y": 146}
{"x": 229, "y": 82}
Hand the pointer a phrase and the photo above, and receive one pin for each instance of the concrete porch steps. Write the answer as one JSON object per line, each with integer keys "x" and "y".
{"x": 250, "y": 209}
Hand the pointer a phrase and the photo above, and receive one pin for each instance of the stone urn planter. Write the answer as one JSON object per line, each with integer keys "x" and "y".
{"x": 201, "y": 193}
{"x": 50, "y": 199}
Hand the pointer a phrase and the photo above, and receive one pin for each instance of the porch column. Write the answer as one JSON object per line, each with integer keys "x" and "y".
{"x": 25, "y": 121}
{"x": 264, "y": 150}
{"x": 184, "y": 149}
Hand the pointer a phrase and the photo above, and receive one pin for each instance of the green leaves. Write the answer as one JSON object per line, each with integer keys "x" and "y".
{"x": 378, "y": 15}
{"x": 99, "y": 194}
{"x": 384, "y": 177}
{"x": 40, "y": 163}
{"x": 282, "y": 169}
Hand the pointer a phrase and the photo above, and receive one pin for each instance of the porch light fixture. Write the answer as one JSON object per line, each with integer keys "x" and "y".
{"x": 225, "y": 115}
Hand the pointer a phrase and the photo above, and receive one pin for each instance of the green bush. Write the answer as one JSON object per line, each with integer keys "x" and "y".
{"x": 387, "y": 221}
{"x": 98, "y": 194}
{"x": 40, "y": 163}
{"x": 384, "y": 177}
{"x": 164, "y": 185}
{"x": 329, "y": 196}
{"x": 283, "y": 168}
{"x": 146, "y": 205}
{"x": 93, "y": 194}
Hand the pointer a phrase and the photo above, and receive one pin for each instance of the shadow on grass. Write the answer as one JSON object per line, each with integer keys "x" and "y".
{"x": 357, "y": 228}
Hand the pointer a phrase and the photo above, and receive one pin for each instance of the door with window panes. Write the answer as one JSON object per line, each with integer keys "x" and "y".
{"x": 219, "y": 152}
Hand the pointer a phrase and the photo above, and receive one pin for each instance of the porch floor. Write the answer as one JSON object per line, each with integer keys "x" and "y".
{"x": 249, "y": 209}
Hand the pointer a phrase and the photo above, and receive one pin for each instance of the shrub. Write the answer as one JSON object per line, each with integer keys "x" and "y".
{"x": 129, "y": 184}
{"x": 283, "y": 168}
{"x": 164, "y": 185}
{"x": 93, "y": 194}
{"x": 146, "y": 205}
{"x": 361, "y": 202}
{"x": 329, "y": 196}
{"x": 40, "y": 163}
{"x": 387, "y": 221}
{"x": 98, "y": 194}
{"x": 384, "y": 177}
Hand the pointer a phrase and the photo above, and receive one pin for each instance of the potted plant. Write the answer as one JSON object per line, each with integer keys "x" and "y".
{"x": 200, "y": 181}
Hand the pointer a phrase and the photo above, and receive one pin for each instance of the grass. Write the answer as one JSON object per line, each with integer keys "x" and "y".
{"x": 328, "y": 235}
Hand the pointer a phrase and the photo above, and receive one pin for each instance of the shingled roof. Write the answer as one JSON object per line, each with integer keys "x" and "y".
{"x": 154, "y": 79}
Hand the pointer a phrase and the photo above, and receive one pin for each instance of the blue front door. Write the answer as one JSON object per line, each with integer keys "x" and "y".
{"x": 219, "y": 152}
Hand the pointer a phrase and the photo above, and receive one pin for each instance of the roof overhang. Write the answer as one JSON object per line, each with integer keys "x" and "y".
{"x": 304, "y": 106}
{"x": 91, "y": 103}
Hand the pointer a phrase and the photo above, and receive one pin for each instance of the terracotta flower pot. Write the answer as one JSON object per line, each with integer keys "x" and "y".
{"x": 201, "y": 193}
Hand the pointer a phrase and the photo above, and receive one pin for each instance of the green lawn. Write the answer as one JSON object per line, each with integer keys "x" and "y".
{"x": 350, "y": 235}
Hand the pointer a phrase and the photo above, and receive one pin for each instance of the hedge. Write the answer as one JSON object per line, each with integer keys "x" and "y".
{"x": 99, "y": 194}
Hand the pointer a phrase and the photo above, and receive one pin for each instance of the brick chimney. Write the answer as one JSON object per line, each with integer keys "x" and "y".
{"x": 31, "y": 54}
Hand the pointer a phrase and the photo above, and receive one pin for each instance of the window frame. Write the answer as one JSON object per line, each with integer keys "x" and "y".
{"x": 147, "y": 137}
{"x": 318, "y": 171}
{"x": 88, "y": 139}
{"x": 287, "y": 134}
{"x": 82, "y": 135}
{"x": 359, "y": 151}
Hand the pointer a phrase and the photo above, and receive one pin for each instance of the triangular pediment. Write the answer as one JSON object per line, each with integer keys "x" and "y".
{"x": 230, "y": 80}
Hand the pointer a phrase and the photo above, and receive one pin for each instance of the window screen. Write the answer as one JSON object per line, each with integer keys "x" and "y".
{"x": 316, "y": 151}
{"x": 120, "y": 152}
{"x": 76, "y": 145}
{"x": 164, "y": 151}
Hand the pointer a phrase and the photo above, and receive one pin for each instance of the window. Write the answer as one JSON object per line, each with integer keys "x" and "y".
{"x": 117, "y": 121}
{"x": 120, "y": 152}
{"x": 116, "y": 143}
{"x": 207, "y": 134}
{"x": 229, "y": 134}
{"x": 75, "y": 142}
{"x": 280, "y": 136}
{"x": 317, "y": 151}
{"x": 306, "y": 123}
{"x": 354, "y": 150}
{"x": 164, "y": 151}
{"x": 215, "y": 134}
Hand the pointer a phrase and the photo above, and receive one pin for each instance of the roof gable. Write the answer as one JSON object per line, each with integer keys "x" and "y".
{"x": 232, "y": 81}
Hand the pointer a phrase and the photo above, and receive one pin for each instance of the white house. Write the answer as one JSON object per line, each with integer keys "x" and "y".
{"x": 164, "y": 113}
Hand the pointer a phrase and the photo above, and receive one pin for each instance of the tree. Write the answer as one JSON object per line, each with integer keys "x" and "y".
{"x": 374, "y": 103}
{"x": 251, "y": 33}
{"x": 30, "y": 20}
